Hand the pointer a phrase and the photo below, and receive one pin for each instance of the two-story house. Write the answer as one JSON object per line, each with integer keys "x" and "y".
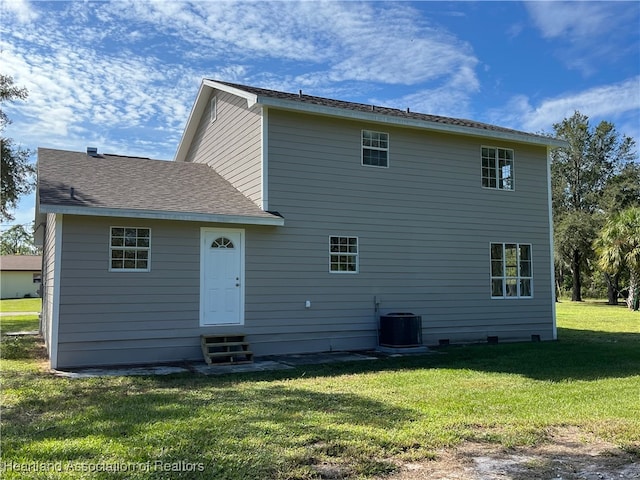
{"x": 296, "y": 220}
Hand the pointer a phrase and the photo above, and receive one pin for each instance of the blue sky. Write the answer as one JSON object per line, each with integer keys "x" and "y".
{"x": 122, "y": 76}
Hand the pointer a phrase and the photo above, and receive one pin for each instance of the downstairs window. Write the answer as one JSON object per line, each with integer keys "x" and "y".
{"x": 130, "y": 249}
{"x": 343, "y": 254}
{"x": 511, "y": 270}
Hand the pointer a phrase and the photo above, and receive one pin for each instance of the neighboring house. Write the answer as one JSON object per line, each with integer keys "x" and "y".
{"x": 20, "y": 276}
{"x": 296, "y": 221}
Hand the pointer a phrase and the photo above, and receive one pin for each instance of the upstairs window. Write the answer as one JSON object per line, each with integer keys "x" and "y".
{"x": 511, "y": 270}
{"x": 375, "y": 149}
{"x": 130, "y": 249}
{"x": 343, "y": 254}
{"x": 497, "y": 168}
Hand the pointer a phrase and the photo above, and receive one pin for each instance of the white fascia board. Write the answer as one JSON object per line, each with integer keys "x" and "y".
{"x": 408, "y": 122}
{"x": 251, "y": 98}
{"x": 199, "y": 107}
{"x": 163, "y": 215}
{"x": 192, "y": 123}
{"x": 40, "y": 221}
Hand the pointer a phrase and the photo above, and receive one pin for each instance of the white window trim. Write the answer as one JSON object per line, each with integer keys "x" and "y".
{"x": 362, "y": 147}
{"x": 111, "y": 248}
{"x": 504, "y": 277}
{"x": 513, "y": 167}
{"x": 355, "y": 255}
{"x": 213, "y": 109}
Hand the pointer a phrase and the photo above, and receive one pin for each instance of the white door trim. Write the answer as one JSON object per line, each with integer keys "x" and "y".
{"x": 204, "y": 248}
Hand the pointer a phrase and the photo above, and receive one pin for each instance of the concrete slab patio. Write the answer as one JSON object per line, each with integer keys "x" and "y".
{"x": 261, "y": 364}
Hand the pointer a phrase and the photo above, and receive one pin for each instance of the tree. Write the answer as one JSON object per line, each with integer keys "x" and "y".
{"x": 580, "y": 174}
{"x": 573, "y": 235}
{"x": 618, "y": 246}
{"x": 621, "y": 192}
{"x": 623, "y": 189}
{"x": 16, "y": 171}
{"x": 17, "y": 241}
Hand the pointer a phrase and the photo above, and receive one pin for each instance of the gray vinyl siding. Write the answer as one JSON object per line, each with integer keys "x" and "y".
{"x": 424, "y": 226}
{"x": 128, "y": 317}
{"x": 48, "y": 275}
{"x": 110, "y": 318}
{"x": 232, "y": 144}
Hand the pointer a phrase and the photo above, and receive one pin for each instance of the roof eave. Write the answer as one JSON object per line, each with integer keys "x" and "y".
{"x": 163, "y": 215}
{"x": 251, "y": 98}
{"x": 408, "y": 122}
{"x": 39, "y": 217}
{"x": 192, "y": 124}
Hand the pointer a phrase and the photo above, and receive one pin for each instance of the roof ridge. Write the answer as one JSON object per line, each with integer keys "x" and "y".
{"x": 130, "y": 156}
{"x": 380, "y": 109}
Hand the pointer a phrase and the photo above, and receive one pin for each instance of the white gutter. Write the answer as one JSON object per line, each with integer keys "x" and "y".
{"x": 252, "y": 99}
{"x": 407, "y": 122}
{"x": 163, "y": 215}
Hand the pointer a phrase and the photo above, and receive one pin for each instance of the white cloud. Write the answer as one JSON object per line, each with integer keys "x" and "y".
{"x": 340, "y": 41}
{"x": 77, "y": 93}
{"x": 571, "y": 19}
{"x": 95, "y": 73}
{"x": 452, "y": 100}
{"x": 241, "y": 29}
{"x": 20, "y": 10}
{"x": 587, "y": 34}
{"x": 608, "y": 102}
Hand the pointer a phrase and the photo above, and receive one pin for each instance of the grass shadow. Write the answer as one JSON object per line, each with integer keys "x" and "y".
{"x": 576, "y": 355}
{"x": 237, "y": 431}
{"x": 19, "y": 323}
{"x": 270, "y": 425}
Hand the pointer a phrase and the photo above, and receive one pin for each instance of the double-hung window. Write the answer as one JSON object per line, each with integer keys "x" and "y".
{"x": 375, "y": 149}
{"x": 511, "y": 270}
{"x": 343, "y": 254}
{"x": 130, "y": 249}
{"x": 497, "y": 168}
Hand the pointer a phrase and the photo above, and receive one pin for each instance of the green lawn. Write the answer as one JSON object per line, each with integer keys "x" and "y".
{"x": 20, "y": 322}
{"x": 357, "y": 418}
{"x": 21, "y": 305}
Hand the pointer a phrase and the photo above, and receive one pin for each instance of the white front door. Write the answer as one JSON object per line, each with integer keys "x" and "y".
{"x": 221, "y": 276}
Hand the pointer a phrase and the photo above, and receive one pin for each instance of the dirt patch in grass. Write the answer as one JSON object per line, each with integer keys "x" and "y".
{"x": 569, "y": 454}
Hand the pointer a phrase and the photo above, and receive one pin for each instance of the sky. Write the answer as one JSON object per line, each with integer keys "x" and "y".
{"x": 122, "y": 75}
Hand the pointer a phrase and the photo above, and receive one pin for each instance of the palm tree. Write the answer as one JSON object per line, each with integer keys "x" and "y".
{"x": 618, "y": 247}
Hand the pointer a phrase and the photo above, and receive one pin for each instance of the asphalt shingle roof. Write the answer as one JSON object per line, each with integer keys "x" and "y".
{"x": 368, "y": 108}
{"x": 75, "y": 179}
{"x": 25, "y": 263}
